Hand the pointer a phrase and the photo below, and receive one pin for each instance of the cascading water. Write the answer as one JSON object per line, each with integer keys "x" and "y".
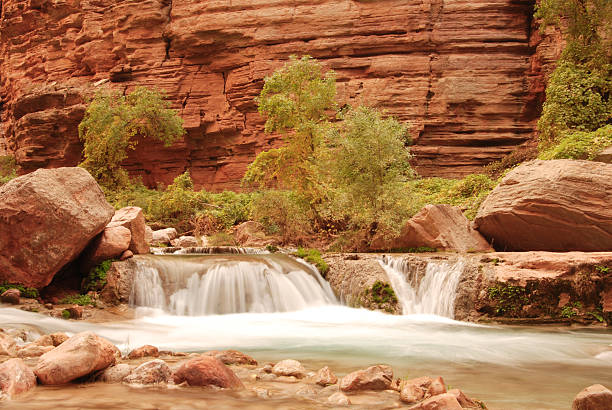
{"x": 430, "y": 293}
{"x": 222, "y": 284}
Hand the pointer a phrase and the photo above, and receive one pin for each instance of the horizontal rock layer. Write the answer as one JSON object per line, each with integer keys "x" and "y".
{"x": 468, "y": 75}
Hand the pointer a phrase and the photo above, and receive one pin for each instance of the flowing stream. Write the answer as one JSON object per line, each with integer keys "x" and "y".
{"x": 507, "y": 367}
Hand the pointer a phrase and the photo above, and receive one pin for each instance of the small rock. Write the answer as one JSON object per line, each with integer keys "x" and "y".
{"x": 411, "y": 393}
{"x": 184, "y": 242}
{"x": 289, "y": 367}
{"x": 325, "y": 377}
{"x": 58, "y": 338}
{"x": 164, "y": 236}
{"x": 16, "y": 377}
{"x": 144, "y": 351}
{"x": 48, "y": 306}
{"x": 232, "y": 357}
{"x": 463, "y": 400}
{"x": 266, "y": 377}
{"x": 33, "y": 350}
{"x": 436, "y": 387}
{"x": 8, "y": 346}
{"x": 206, "y": 371}
{"x": 152, "y": 372}
{"x": 11, "y": 296}
{"x": 75, "y": 311}
{"x": 127, "y": 254}
{"x": 268, "y": 367}
{"x": 115, "y": 374}
{"x": 377, "y": 377}
{"x": 444, "y": 401}
{"x": 595, "y": 397}
{"x": 339, "y": 399}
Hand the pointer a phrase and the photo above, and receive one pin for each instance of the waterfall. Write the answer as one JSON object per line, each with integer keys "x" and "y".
{"x": 430, "y": 292}
{"x": 206, "y": 285}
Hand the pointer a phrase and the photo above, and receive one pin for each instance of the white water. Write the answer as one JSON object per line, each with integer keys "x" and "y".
{"x": 208, "y": 285}
{"x": 433, "y": 293}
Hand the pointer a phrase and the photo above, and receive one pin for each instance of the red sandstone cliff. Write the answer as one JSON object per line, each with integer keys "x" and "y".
{"x": 467, "y": 74}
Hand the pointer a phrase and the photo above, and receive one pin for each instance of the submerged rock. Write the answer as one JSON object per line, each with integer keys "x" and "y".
{"x": 152, "y": 372}
{"x": 115, "y": 374}
{"x": 595, "y": 397}
{"x": 207, "y": 371}
{"x": 560, "y": 205}
{"x": 80, "y": 355}
{"x": 16, "y": 377}
{"x": 49, "y": 217}
{"x": 232, "y": 357}
{"x": 289, "y": 367}
{"x": 377, "y": 377}
{"x": 339, "y": 399}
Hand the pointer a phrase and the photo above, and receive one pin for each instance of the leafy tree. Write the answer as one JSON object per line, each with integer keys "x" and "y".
{"x": 295, "y": 100}
{"x": 111, "y": 122}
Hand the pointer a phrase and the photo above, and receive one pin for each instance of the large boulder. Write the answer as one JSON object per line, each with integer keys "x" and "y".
{"x": 82, "y": 354}
{"x": 377, "y": 377}
{"x": 132, "y": 218}
{"x": 16, "y": 377}
{"x": 441, "y": 227}
{"x": 207, "y": 371}
{"x": 48, "y": 218}
{"x": 560, "y": 205}
{"x": 110, "y": 244}
{"x": 595, "y": 397}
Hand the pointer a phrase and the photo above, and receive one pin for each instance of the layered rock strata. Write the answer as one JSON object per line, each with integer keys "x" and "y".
{"x": 468, "y": 75}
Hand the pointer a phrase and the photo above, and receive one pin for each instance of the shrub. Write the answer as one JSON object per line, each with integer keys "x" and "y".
{"x": 284, "y": 213}
{"x": 30, "y": 293}
{"x": 382, "y": 292}
{"x": 509, "y": 299}
{"x": 8, "y": 168}
{"x": 82, "y": 300}
{"x": 313, "y": 256}
{"x": 580, "y": 144}
{"x": 111, "y": 122}
{"x": 96, "y": 279}
{"x": 221, "y": 239}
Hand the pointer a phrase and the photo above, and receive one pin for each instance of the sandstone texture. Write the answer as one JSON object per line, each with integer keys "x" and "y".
{"x": 110, "y": 244}
{"x": 115, "y": 374}
{"x": 132, "y": 218}
{"x": 377, "y": 377}
{"x": 559, "y": 205}
{"x": 325, "y": 377}
{"x": 144, "y": 351}
{"x": 289, "y": 367}
{"x": 469, "y": 75}
{"x": 81, "y": 355}
{"x": 48, "y": 217}
{"x": 119, "y": 281}
{"x": 152, "y": 372}
{"x": 442, "y": 227}
{"x": 232, "y": 357}
{"x": 163, "y": 236}
{"x": 16, "y": 377}
{"x": 207, "y": 371}
{"x": 595, "y": 397}
{"x": 10, "y": 296}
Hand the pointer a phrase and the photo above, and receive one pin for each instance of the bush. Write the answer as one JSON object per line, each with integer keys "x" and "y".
{"x": 580, "y": 145}
{"x": 283, "y": 213}
{"x": 30, "y": 293}
{"x": 8, "y": 168}
{"x": 96, "y": 279}
{"x": 221, "y": 239}
{"x": 313, "y": 256}
{"x": 82, "y": 300}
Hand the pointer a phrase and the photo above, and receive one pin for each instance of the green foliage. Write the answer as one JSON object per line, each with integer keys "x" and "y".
{"x": 570, "y": 310}
{"x": 30, "y": 293}
{"x": 498, "y": 168}
{"x": 8, "y": 168}
{"x": 597, "y": 315}
{"x": 284, "y": 213}
{"x": 66, "y": 314}
{"x": 602, "y": 269}
{"x": 82, "y": 300}
{"x": 111, "y": 123}
{"x": 313, "y": 256}
{"x": 382, "y": 292}
{"x": 580, "y": 144}
{"x": 272, "y": 248}
{"x": 221, "y": 239}
{"x": 364, "y": 169}
{"x": 508, "y": 299}
{"x": 96, "y": 279}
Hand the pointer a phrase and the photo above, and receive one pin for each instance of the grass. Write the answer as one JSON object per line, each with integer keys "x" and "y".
{"x": 313, "y": 256}
{"x": 82, "y": 300}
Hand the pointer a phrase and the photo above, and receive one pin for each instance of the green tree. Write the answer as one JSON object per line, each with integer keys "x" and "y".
{"x": 296, "y": 100}
{"x": 112, "y": 121}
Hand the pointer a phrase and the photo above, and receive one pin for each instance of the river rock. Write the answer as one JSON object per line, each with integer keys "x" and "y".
{"x": 184, "y": 242}
{"x": 132, "y": 218}
{"x": 33, "y": 350}
{"x": 207, "y": 371}
{"x": 232, "y": 357}
{"x": 441, "y": 227}
{"x": 144, "y": 351}
{"x": 463, "y": 400}
{"x": 339, "y": 399}
{"x": 127, "y": 254}
{"x": 289, "y": 367}
{"x": 48, "y": 218}
{"x": 377, "y": 377}
{"x": 116, "y": 373}
{"x": 16, "y": 377}
{"x": 164, "y": 236}
{"x": 110, "y": 244}
{"x": 11, "y": 296}
{"x": 53, "y": 339}
{"x": 325, "y": 377}
{"x": 444, "y": 401}
{"x": 436, "y": 387}
{"x": 595, "y": 397}
{"x": 559, "y": 205}
{"x": 80, "y": 355}
{"x": 152, "y": 372}
{"x": 8, "y": 346}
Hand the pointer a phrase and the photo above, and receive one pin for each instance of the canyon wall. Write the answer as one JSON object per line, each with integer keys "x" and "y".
{"x": 469, "y": 75}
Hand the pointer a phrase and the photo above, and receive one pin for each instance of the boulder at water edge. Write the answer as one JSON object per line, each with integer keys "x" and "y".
{"x": 441, "y": 227}
{"x": 152, "y": 372}
{"x": 48, "y": 217}
{"x": 560, "y": 205}
{"x": 132, "y": 218}
{"x": 110, "y": 244}
{"x": 207, "y": 371}
{"x": 163, "y": 236}
{"x": 80, "y": 355}
{"x": 16, "y": 377}
{"x": 595, "y": 397}
{"x": 377, "y": 377}
{"x": 11, "y": 296}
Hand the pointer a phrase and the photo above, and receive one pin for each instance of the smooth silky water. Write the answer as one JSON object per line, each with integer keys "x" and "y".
{"x": 180, "y": 309}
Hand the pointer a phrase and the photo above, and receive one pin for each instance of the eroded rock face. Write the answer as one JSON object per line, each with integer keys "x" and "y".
{"x": 560, "y": 205}
{"x": 16, "y": 377}
{"x": 442, "y": 227}
{"x": 207, "y": 371}
{"x": 48, "y": 217}
{"x": 430, "y": 63}
{"x": 377, "y": 377}
{"x": 80, "y": 355}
